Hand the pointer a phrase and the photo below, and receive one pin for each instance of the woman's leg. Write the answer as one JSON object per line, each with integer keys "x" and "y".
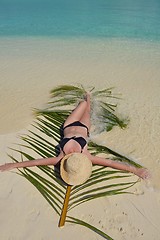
{"x": 77, "y": 113}
{"x": 85, "y": 119}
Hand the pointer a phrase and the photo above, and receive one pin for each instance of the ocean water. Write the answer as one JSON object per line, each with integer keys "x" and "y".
{"x": 135, "y": 19}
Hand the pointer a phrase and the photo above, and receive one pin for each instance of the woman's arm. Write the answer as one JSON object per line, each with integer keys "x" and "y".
{"x": 141, "y": 172}
{"x": 32, "y": 163}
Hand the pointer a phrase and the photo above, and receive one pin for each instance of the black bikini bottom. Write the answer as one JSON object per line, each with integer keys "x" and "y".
{"x": 77, "y": 123}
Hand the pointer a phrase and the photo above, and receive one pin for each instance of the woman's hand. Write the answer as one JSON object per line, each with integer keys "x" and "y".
{"x": 142, "y": 173}
{"x": 6, "y": 167}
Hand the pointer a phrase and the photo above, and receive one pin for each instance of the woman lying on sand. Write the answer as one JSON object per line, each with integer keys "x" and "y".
{"x": 76, "y": 130}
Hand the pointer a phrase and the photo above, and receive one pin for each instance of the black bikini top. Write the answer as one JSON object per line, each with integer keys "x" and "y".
{"x": 82, "y": 142}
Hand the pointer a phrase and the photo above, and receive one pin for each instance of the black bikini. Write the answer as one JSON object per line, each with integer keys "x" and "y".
{"x": 77, "y": 123}
{"x": 82, "y": 141}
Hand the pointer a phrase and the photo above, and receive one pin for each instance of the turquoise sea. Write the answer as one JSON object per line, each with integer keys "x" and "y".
{"x": 135, "y": 19}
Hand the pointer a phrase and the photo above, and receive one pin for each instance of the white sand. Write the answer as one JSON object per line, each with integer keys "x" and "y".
{"x": 29, "y": 69}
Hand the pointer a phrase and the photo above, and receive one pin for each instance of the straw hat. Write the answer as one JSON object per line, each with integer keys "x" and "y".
{"x": 75, "y": 168}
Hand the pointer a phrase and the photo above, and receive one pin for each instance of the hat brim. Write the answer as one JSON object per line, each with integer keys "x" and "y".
{"x": 76, "y": 178}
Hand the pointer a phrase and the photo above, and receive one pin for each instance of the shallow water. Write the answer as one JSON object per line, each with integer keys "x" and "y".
{"x": 88, "y": 18}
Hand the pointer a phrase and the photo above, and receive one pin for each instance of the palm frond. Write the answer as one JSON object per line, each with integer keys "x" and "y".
{"x": 44, "y": 138}
{"x": 82, "y": 223}
{"x": 116, "y": 155}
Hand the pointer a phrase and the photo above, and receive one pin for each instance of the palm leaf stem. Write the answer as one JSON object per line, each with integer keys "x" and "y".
{"x": 65, "y": 207}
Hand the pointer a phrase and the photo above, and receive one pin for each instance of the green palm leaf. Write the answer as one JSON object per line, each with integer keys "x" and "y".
{"x": 103, "y": 181}
{"x": 82, "y": 223}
